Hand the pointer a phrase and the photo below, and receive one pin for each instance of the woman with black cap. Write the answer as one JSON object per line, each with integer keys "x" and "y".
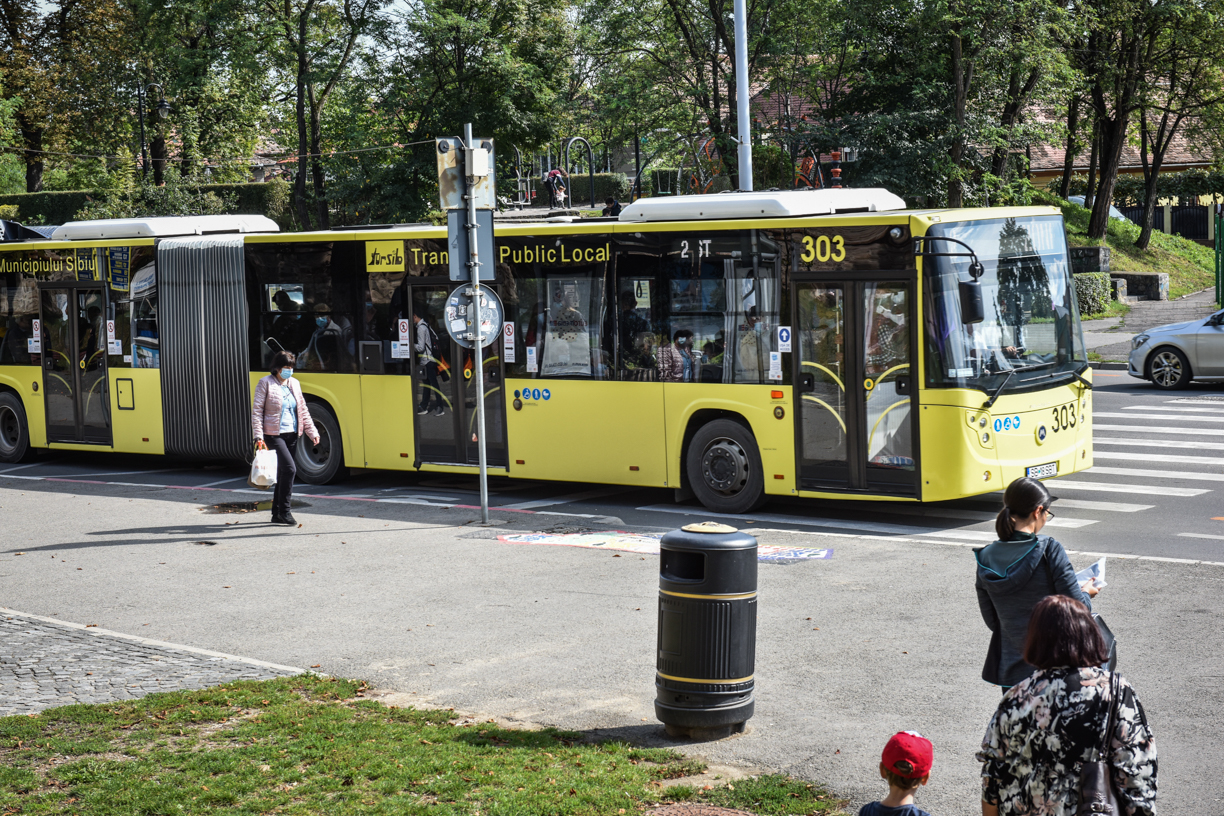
{"x": 1015, "y": 573}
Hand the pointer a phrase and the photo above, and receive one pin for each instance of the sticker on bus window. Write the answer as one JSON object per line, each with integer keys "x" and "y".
{"x": 641, "y": 294}
{"x": 114, "y": 347}
{"x": 532, "y": 365}
{"x": 405, "y": 330}
{"x": 508, "y": 342}
{"x": 775, "y": 365}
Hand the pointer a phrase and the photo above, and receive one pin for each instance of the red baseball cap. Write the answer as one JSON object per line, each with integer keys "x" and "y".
{"x": 909, "y": 755}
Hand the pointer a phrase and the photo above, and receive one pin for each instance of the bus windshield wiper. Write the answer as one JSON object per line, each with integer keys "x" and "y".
{"x": 1079, "y": 376}
{"x": 999, "y": 390}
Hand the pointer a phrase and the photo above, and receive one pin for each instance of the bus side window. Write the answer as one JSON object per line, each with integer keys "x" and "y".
{"x": 637, "y": 317}
{"x": 559, "y": 305}
{"x": 307, "y": 296}
{"x": 18, "y": 311}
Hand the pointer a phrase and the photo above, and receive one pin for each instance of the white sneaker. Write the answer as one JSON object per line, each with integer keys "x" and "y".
{"x": 440, "y": 412}
{"x": 423, "y": 412}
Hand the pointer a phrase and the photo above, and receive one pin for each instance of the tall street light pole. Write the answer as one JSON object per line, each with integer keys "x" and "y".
{"x": 741, "y": 95}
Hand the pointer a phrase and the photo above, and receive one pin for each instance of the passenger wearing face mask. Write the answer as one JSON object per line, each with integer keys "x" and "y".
{"x": 329, "y": 348}
{"x": 278, "y": 417}
{"x": 676, "y": 360}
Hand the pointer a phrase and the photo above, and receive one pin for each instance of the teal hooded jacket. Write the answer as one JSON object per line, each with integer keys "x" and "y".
{"x": 1012, "y": 576}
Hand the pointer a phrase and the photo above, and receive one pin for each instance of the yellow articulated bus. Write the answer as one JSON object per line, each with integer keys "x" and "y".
{"x": 731, "y": 347}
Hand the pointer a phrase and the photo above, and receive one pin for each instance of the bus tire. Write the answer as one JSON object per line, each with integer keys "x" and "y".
{"x": 1168, "y": 369}
{"x": 14, "y": 430}
{"x": 322, "y": 463}
{"x": 724, "y": 467}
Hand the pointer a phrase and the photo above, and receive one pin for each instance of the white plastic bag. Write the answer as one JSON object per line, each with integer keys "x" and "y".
{"x": 263, "y": 470}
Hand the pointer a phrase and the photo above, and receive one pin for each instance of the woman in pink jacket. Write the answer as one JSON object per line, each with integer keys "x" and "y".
{"x": 280, "y": 417}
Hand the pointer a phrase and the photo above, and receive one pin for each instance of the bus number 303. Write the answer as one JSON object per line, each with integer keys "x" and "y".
{"x": 1064, "y": 417}
{"x": 822, "y": 248}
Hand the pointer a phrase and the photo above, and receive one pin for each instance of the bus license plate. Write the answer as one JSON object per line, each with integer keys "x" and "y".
{"x": 1042, "y": 471}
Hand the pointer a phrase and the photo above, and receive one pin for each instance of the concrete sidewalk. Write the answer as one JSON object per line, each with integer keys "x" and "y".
{"x": 882, "y": 636}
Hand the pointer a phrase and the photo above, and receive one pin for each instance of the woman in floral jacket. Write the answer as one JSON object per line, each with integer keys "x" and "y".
{"x": 1048, "y": 725}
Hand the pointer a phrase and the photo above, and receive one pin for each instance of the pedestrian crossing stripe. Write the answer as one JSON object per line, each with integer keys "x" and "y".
{"x": 1159, "y": 443}
{"x": 1160, "y": 429}
{"x": 1114, "y": 487}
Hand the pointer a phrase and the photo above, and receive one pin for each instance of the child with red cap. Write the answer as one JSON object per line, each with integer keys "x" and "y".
{"x": 906, "y": 765}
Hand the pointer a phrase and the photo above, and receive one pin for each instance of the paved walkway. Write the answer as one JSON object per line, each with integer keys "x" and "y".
{"x": 1111, "y": 337}
{"x": 45, "y": 664}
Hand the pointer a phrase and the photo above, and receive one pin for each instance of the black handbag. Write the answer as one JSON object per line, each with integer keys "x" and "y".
{"x": 1097, "y": 794}
{"x": 1111, "y": 643}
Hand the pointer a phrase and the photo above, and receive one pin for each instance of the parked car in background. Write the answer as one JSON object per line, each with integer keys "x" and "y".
{"x": 1114, "y": 212}
{"x": 1173, "y": 355}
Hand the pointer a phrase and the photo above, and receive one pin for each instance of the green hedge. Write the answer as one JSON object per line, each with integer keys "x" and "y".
{"x": 1092, "y": 292}
{"x": 49, "y": 208}
{"x": 579, "y": 188}
{"x": 60, "y": 207}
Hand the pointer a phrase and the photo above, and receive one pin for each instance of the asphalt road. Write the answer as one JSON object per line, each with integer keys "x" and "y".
{"x": 390, "y": 579}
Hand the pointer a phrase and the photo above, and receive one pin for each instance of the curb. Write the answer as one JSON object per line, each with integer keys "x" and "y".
{"x": 93, "y": 630}
{"x": 1109, "y": 366}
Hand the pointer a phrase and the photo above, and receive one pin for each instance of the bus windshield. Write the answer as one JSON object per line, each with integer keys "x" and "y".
{"x": 1031, "y": 332}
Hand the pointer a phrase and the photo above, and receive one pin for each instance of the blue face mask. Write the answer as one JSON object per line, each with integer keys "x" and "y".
{"x": 286, "y": 373}
{"x": 321, "y": 322}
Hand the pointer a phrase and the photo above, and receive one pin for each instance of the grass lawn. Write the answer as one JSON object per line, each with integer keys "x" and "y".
{"x": 310, "y": 745}
{"x": 1190, "y": 266}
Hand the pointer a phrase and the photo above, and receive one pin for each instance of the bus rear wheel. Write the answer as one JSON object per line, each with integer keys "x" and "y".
{"x": 724, "y": 467}
{"x": 14, "y": 430}
{"x": 322, "y": 463}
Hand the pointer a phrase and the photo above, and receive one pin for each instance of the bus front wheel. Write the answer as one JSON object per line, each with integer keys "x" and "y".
{"x": 724, "y": 467}
{"x": 14, "y": 430}
{"x": 322, "y": 463}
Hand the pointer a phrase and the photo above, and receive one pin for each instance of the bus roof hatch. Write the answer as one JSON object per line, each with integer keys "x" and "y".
{"x": 162, "y": 227}
{"x": 764, "y": 204}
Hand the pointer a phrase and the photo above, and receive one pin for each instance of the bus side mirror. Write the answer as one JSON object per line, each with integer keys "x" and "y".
{"x": 972, "y": 310}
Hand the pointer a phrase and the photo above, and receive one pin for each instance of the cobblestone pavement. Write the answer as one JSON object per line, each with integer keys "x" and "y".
{"x": 45, "y": 664}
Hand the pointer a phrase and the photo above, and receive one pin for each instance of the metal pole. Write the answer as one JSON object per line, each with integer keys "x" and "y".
{"x": 478, "y": 351}
{"x": 741, "y": 95}
{"x": 144, "y": 154}
{"x": 635, "y": 192}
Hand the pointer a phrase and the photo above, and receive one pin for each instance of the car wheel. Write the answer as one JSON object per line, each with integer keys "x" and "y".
{"x": 724, "y": 467}
{"x": 322, "y": 463}
{"x": 14, "y": 430}
{"x": 1169, "y": 369}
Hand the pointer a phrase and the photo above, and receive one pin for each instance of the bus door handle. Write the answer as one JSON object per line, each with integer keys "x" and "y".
{"x": 807, "y": 382}
{"x": 903, "y": 385}
{"x": 493, "y": 374}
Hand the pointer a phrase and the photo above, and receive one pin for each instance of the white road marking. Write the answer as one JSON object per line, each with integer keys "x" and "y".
{"x": 1201, "y": 535}
{"x": 1157, "y": 474}
{"x": 1159, "y": 457}
{"x": 1158, "y": 443}
{"x": 223, "y": 481}
{"x": 1113, "y": 507}
{"x": 864, "y": 526}
{"x": 1111, "y": 487}
{"x": 21, "y": 467}
{"x": 1195, "y": 401}
{"x": 570, "y": 499}
{"x": 121, "y": 473}
{"x": 1219, "y": 409}
{"x": 1179, "y": 417}
{"x": 1161, "y": 429}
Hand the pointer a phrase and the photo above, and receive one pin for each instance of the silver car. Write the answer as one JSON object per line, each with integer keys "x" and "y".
{"x": 1173, "y": 355}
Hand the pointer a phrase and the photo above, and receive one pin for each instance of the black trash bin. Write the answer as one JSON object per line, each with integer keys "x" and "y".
{"x": 707, "y": 630}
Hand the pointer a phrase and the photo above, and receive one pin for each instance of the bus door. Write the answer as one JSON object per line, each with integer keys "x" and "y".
{"x": 74, "y": 363}
{"x": 445, "y": 399}
{"x": 855, "y": 385}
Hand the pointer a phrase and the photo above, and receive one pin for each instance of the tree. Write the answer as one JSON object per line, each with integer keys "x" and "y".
{"x": 1184, "y": 82}
{"x": 499, "y": 64}
{"x": 318, "y": 39}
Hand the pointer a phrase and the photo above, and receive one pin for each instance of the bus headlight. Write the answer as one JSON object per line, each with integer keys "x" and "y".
{"x": 986, "y": 438}
{"x": 1138, "y": 340}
